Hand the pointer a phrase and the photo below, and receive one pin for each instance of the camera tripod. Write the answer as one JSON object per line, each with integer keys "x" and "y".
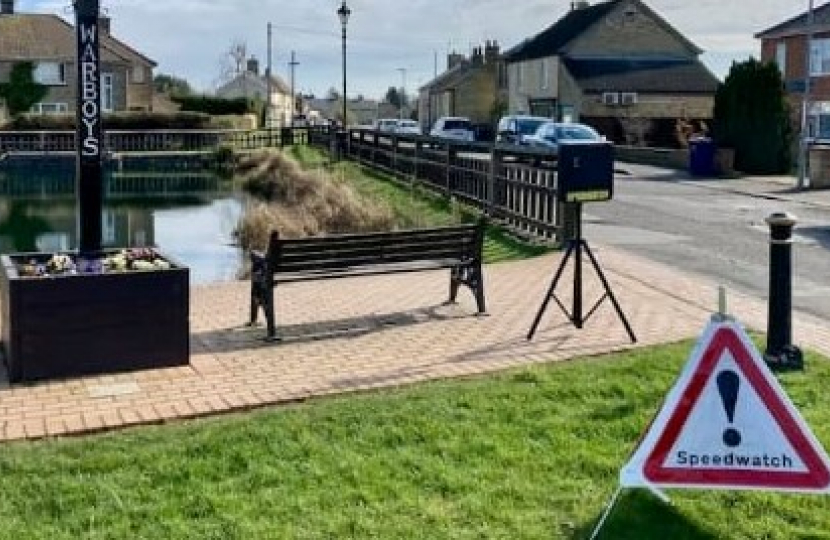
{"x": 576, "y": 246}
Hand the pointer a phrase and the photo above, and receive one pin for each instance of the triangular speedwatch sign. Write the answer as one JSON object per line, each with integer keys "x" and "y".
{"x": 728, "y": 424}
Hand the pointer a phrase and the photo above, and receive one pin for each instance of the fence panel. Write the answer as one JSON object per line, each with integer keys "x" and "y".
{"x": 513, "y": 186}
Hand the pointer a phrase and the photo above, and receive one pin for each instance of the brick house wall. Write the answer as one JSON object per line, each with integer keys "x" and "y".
{"x": 629, "y": 32}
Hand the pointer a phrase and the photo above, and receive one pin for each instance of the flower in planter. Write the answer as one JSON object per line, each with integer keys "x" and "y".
{"x": 136, "y": 259}
{"x": 60, "y": 264}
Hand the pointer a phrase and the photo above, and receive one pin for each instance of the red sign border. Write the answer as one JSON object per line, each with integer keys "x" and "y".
{"x": 817, "y": 475}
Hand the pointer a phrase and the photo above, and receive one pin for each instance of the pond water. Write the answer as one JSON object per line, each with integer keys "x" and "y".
{"x": 189, "y": 215}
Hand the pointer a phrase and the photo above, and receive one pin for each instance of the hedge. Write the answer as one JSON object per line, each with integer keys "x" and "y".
{"x": 117, "y": 121}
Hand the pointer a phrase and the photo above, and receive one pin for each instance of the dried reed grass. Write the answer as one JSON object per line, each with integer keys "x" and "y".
{"x": 301, "y": 203}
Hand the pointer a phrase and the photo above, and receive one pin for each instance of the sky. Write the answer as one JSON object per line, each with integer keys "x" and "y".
{"x": 390, "y": 42}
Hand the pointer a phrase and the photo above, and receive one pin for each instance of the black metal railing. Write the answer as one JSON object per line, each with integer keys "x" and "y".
{"x": 513, "y": 185}
{"x": 154, "y": 141}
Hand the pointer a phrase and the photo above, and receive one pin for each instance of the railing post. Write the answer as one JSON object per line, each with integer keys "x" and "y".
{"x": 450, "y": 154}
{"x": 416, "y": 158}
{"x": 780, "y": 352}
{"x": 495, "y": 166}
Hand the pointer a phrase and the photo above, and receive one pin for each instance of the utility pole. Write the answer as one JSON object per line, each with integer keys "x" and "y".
{"x": 293, "y": 65}
{"x": 268, "y": 90}
{"x": 803, "y": 150}
{"x": 402, "y": 95}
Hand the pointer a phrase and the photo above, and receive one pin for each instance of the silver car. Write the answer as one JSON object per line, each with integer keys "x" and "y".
{"x": 408, "y": 127}
{"x": 453, "y": 127}
{"x": 550, "y": 134}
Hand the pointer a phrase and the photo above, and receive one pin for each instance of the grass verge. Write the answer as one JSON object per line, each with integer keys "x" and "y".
{"x": 526, "y": 454}
{"x": 417, "y": 206}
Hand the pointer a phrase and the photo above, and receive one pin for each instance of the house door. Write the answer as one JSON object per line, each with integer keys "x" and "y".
{"x": 107, "y": 99}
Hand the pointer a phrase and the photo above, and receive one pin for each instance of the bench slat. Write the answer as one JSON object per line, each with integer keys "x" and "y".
{"x": 356, "y": 261}
{"x": 385, "y": 237}
{"x": 421, "y": 250}
{"x": 289, "y": 277}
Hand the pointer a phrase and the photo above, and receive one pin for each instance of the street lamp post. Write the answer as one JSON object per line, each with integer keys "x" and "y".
{"x": 403, "y": 92}
{"x": 344, "y": 12}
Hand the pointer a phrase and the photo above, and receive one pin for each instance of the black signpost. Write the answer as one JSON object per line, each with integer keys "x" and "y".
{"x": 89, "y": 133}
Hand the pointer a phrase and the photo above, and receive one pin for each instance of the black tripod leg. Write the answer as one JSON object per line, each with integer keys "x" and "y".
{"x": 571, "y": 247}
{"x": 609, "y": 292}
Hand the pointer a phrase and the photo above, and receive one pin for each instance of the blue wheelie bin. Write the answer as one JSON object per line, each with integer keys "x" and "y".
{"x": 702, "y": 156}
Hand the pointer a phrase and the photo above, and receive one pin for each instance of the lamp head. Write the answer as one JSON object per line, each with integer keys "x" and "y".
{"x": 344, "y": 13}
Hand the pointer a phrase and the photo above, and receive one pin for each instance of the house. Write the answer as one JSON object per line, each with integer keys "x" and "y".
{"x": 49, "y": 43}
{"x": 469, "y": 87}
{"x": 362, "y": 111}
{"x": 786, "y": 45}
{"x": 616, "y": 65}
{"x": 250, "y": 84}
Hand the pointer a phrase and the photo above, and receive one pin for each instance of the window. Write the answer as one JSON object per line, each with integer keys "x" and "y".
{"x": 819, "y": 121}
{"x": 543, "y": 73}
{"x": 138, "y": 75}
{"x": 520, "y": 75}
{"x": 50, "y": 73}
{"x": 628, "y": 98}
{"x": 781, "y": 57}
{"x": 50, "y": 108}
{"x": 820, "y": 57}
{"x": 502, "y": 69}
{"x": 107, "y": 101}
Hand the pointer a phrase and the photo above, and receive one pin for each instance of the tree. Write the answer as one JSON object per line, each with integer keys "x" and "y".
{"x": 396, "y": 97}
{"x": 22, "y": 91}
{"x": 751, "y": 115}
{"x": 170, "y": 84}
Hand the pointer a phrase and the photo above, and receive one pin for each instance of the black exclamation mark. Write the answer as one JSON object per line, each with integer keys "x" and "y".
{"x": 728, "y": 385}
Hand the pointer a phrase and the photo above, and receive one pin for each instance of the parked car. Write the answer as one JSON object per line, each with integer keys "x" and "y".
{"x": 514, "y": 129}
{"x": 299, "y": 120}
{"x": 409, "y": 127}
{"x": 550, "y": 134}
{"x": 386, "y": 125}
{"x": 453, "y": 127}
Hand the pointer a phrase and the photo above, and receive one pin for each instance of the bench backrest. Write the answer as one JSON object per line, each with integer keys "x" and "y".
{"x": 449, "y": 245}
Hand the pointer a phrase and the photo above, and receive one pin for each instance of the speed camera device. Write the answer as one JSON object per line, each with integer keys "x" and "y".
{"x": 585, "y": 172}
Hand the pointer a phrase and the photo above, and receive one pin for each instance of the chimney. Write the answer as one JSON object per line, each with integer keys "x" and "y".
{"x": 491, "y": 52}
{"x": 454, "y": 59}
{"x": 6, "y": 7}
{"x": 104, "y": 25}
{"x": 477, "y": 58}
{"x": 580, "y": 4}
{"x": 253, "y": 66}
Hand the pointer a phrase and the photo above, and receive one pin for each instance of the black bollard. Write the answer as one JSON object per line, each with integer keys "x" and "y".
{"x": 781, "y": 354}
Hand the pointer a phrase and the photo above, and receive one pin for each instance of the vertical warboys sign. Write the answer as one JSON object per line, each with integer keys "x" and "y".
{"x": 89, "y": 140}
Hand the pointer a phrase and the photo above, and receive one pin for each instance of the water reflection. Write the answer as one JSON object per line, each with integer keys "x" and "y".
{"x": 189, "y": 215}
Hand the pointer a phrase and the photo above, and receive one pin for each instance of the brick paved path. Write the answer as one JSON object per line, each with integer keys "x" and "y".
{"x": 354, "y": 334}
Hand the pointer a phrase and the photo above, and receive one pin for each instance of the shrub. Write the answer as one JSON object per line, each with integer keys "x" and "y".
{"x": 751, "y": 115}
{"x": 118, "y": 121}
{"x": 215, "y": 106}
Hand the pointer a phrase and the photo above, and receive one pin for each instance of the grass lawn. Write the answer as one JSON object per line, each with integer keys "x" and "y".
{"x": 525, "y": 454}
{"x": 417, "y": 206}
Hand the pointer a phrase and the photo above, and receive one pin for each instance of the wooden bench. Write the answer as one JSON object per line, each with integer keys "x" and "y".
{"x": 458, "y": 248}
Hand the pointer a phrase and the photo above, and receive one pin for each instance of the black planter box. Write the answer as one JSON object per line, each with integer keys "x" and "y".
{"x": 65, "y": 326}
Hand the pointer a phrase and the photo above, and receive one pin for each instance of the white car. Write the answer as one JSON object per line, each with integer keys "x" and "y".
{"x": 453, "y": 127}
{"x": 386, "y": 125}
{"x": 408, "y": 127}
